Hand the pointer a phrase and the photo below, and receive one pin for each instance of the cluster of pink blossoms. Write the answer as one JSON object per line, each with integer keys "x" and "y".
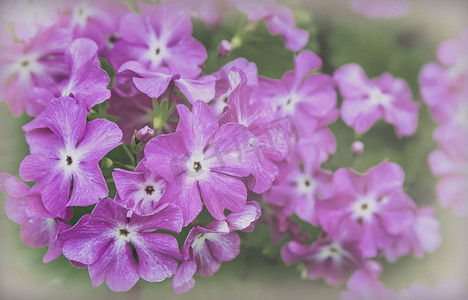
{"x": 444, "y": 88}
{"x": 207, "y": 144}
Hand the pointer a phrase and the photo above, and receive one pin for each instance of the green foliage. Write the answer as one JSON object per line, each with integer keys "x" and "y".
{"x": 106, "y": 66}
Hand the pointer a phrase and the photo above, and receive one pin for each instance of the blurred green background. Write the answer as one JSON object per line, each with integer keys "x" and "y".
{"x": 400, "y": 46}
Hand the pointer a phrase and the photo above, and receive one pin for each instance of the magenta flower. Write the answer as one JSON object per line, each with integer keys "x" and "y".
{"x": 332, "y": 256}
{"x": 422, "y": 236}
{"x": 102, "y": 241}
{"x": 281, "y": 223}
{"x": 384, "y": 9}
{"x": 279, "y": 19}
{"x": 64, "y": 149}
{"x": 38, "y": 227}
{"x": 202, "y": 159}
{"x": 375, "y": 201}
{"x": 310, "y": 101}
{"x": 366, "y": 101}
{"x": 204, "y": 250}
{"x": 139, "y": 191}
{"x": 301, "y": 187}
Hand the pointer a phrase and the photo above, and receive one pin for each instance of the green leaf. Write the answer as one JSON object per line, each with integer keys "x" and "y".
{"x": 106, "y": 66}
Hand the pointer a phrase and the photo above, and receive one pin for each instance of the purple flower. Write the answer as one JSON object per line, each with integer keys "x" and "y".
{"x": 357, "y": 148}
{"x": 375, "y": 201}
{"x": 385, "y": 9}
{"x": 102, "y": 241}
{"x": 310, "y": 101}
{"x": 301, "y": 188}
{"x": 139, "y": 191}
{"x": 451, "y": 163}
{"x": 281, "y": 223}
{"x": 332, "y": 256}
{"x": 422, "y": 236}
{"x": 204, "y": 250}
{"x": 228, "y": 78}
{"x": 363, "y": 284}
{"x": 279, "y": 19}
{"x": 97, "y": 20}
{"x": 86, "y": 81}
{"x": 443, "y": 84}
{"x": 39, "y": 63}
{"x": 257, "y": 116}
{"x": 202, "y": 159}
{"x": 29, "y": 17}
{"x": 366, "y": 101}
{"x": 38, "y": 227}
{"x": 161, "y": 39}
{"x": 64, "y": 149}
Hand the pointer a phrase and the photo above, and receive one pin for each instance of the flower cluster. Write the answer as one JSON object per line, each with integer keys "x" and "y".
{"x": 173, "y": 163}
{"x": 444, "y": 88}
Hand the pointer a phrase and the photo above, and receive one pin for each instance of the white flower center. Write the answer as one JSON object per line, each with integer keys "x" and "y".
{"x": 333, "y": 251}
{"x": 377, "y": 97}
{"x": 364, "y": 208}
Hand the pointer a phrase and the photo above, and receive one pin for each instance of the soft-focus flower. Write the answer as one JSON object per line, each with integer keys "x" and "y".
{"x": 202, "y": 159}
{"x": 375, "y": 201}
{"x": 204, "y": 250}
{"x": 64, "y": 149}
{"x": 422, "y": 236}
{"x": 332, "y": 256}
{"x": 280, "y": 20}
{"x": 102, "y": 241}
{"x": 38, "y": 63}
{"x": 364, "y": 285}
{"x": 86, "y": 81}
{"x": 309, "y": 101}
{"x": 38, "y": 227}
{"x": 451, "y": 163}
{"x": 367, "y": 100}
{"x": 301, "y": 188}
{"x": 443, "y": 83}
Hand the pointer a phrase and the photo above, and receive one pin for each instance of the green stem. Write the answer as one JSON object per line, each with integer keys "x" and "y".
{"x": 129, "y": 154}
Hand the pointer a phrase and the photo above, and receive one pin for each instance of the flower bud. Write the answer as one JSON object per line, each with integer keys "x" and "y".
{"x": 224, "y": 48}
{"x": 144, "y": 134}
{"x": 357, "y": 148}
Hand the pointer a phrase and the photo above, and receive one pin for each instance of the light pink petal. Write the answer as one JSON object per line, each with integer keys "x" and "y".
{"x": 385, "y": 178}
{"x": 184, "y": 193}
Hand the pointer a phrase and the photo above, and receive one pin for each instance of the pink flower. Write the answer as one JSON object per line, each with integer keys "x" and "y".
{"x": 444, "y": 83}
{"x": 366, "y": 101}
{"x": 203, "y": 159}
{"x": 332, "y": 256}
{"x": 375, "y": 201}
